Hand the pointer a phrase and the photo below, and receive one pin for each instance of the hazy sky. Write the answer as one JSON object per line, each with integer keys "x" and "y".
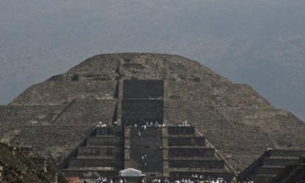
{"x": 261, "y": 42}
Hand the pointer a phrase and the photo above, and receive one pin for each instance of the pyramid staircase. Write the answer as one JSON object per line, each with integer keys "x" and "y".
{"x": 189, "y": 155}
{"x": 158, "y": 150}
{"x": 292, "y": 173}
{"x": 143, "y": 150}
{"x": 100, "y": 155}
{"x": 270, "y": 164}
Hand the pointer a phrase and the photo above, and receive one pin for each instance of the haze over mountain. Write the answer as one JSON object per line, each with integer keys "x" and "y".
{"x": 260, "y": 43}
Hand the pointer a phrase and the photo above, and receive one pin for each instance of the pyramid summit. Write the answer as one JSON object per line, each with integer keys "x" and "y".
{"x": 109, "y": 68}
{"x": 226, "y": 126}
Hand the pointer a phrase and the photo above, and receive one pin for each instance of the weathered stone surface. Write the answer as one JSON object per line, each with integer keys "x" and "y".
{"x": 53, "y": 141}
{"x": 63, "y": 92}
{"x": 14, "y": 118}
{"x": 233, "y": 117}
{"x": 23, "y": 166}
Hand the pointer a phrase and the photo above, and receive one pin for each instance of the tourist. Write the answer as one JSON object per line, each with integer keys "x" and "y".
{"x": 104, "y": 179}
{"x": 269, "y": 148}
{"x": 166, "y": 180}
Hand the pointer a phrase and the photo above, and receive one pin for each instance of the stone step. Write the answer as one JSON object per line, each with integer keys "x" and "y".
{"x": 91, "y": 172}
{"x": 192, "y": 158}
{"x": 181, "y": 130}
{"x": 286, "y": 152}
{"x": 190, "y": 147}
{"x": 188, "y": 172}
{"x": 104, "y": 131}
{"x": 106, "y": 136}
{"x": 269, "y": 169}
{"x": 281, "y": 161}
{"x": 188, "y": 169}
{"x": 184, "y": 141}
{"x": 89, "y": 168}
{"x": 149, "y": 132}
{"x": 284, "y": 157}
{"x": 140, "y": 111}
{"x": 105, "y": 141}
{"x": 100, "y": 151}
{"x": 262, "y": 178}
{"x": 95, "y": 157}
{"x": 86, "y": 162}
{"x": 214, "y": 164}
{"x": 177, "y": 136}
{"x": 143, "y": 89}
{"x": 140, "y": 118}
{"x": 191, "y": 152}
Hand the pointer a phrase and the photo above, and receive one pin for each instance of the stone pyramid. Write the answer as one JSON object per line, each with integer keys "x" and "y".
{"x": 56, "y": 115}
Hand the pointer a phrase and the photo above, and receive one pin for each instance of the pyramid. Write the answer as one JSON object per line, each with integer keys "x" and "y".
{"x": 55, "y": 116}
